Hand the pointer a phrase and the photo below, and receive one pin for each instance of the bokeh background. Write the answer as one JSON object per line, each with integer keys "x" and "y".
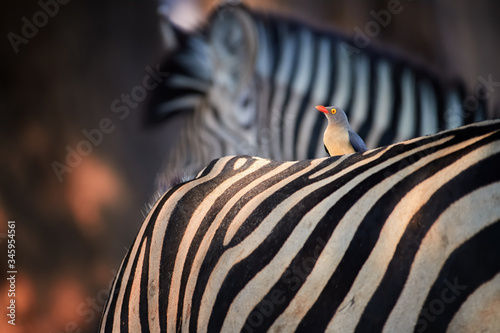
{"x": 72, "y": 233}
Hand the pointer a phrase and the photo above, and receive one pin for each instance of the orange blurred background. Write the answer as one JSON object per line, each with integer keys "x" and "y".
{"x": 72, "y": 230}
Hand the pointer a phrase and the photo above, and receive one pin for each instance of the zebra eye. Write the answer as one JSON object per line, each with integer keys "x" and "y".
{"x": 334, "y": 111}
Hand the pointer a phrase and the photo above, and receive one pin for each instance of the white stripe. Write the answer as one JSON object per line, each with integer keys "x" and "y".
{"x": 134, "y": 322}
{"x": 405, "y": 123}
{"x": 372, "y": 272}
{"x": 384, "y": 103}
{"x": 303, "y": 70}
{"x": 359, "y": 111}
{"x": 454, "y": 113}
{"x": 285, "y": 68}
{"x": 457, "y": 224}
{"x": 185, "y": 102}
{"x": 429, "y": 111}
{"x": 264, "y": 63}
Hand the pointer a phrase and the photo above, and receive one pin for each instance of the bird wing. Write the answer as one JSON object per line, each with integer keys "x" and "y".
{"x": 356, "y": 142}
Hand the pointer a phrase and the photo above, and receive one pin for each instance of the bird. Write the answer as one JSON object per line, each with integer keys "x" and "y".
{"x": 339, "y": 138}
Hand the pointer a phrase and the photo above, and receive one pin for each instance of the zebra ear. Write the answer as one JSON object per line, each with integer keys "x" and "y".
{"x": 233, "y": 42}
{"x": 171, "y": 34}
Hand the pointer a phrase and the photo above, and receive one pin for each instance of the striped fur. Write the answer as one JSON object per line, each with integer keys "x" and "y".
{"x": 397, "y": 239}
{"x": 248, "y": 84}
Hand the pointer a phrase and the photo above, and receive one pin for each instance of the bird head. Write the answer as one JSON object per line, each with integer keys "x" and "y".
{"x": 333, "y": 114}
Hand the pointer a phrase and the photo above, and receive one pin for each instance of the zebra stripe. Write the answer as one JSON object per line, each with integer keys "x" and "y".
{"x": 257, "y": 78}
{"x": 395, "y": 239}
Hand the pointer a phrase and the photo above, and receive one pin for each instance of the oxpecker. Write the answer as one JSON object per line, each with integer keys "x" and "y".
{"x": 339, "y": 137}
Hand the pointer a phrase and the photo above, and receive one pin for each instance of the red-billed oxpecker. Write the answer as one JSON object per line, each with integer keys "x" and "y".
{"x": 339, "y": 137}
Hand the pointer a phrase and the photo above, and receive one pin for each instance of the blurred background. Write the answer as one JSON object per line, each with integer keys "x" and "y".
{"x": 74, "y": 224}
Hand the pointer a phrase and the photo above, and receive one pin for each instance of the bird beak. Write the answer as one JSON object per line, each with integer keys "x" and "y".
{"x": 322, "y": 108}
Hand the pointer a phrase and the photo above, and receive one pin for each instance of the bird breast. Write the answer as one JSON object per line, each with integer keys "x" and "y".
{"x": 337, "y": 141}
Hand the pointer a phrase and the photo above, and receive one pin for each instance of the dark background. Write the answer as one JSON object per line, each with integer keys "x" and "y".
{"x": 72, "y": 234}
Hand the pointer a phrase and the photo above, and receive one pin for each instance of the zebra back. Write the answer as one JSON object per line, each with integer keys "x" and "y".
{"x": 248, "y": 83}
{"x": 400, "y": 238}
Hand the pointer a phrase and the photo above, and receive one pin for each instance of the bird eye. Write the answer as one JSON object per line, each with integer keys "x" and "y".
{"x": 334, "y": 111}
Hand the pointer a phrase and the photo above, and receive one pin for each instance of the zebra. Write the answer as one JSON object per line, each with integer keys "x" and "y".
{"x": 396, "y": 239}
{"x": 247, "y": 83}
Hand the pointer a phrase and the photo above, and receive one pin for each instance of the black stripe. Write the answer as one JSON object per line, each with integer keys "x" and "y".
{"x": 352, "y": 72}
{"x": 275, "y": 44}
{"x": 143, "y": 302}
{"x": 126, "y": 296}
{"x": 208, "y": 169}
{"x": 467, "y": 115}
{"x": 387, "y": 293}
{"x": 368, "y": 122}
{"x": 441, "y": 105}
{"x": 113, "y": 296}
{"x": 397, "y": 81}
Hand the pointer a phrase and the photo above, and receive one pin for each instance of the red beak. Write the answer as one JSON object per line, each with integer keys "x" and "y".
{"x": 322, "y": 108}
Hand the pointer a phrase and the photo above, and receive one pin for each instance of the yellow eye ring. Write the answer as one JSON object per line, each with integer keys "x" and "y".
{"x": 334, "y": 111}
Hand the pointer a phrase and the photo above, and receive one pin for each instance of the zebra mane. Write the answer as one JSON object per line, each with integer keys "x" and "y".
{"x": 165, "y": 182}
